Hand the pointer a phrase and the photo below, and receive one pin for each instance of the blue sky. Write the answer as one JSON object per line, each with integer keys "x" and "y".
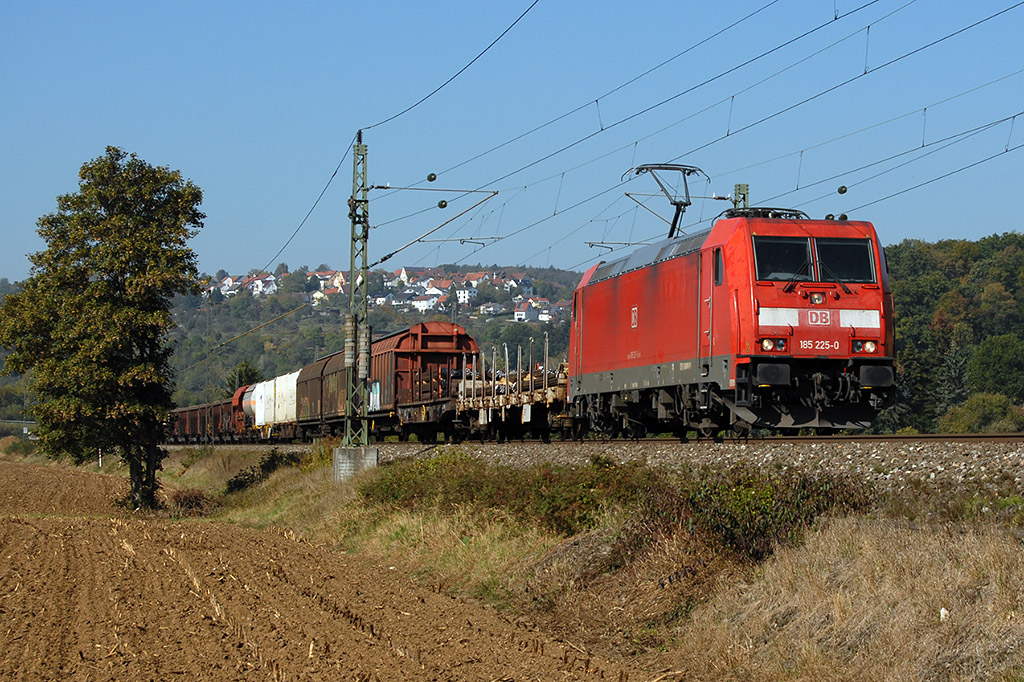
{"x": 258, "y": 102}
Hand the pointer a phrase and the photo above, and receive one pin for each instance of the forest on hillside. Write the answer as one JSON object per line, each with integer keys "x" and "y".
{"x": 959, "y": 335}
{"x": 959, "y": 310}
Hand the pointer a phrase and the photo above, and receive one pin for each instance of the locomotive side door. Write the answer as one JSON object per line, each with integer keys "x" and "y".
{"x": 577, "y": 332}
{"x": 705, "y": 310}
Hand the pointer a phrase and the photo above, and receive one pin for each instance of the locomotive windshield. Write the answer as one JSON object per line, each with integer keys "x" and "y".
{"x": 783, "y": 259}
{"x": 788, "y": 259}
{"x": 845, "y": 260}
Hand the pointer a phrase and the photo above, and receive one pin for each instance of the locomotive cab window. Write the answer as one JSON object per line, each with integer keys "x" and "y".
{"x": 845, "y": 260}
{"x": 783, "y": 259}
{"x": 719, "y": 268}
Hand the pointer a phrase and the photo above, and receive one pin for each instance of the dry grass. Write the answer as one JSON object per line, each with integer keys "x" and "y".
{"x": 864, "y": 600}
{"x": 858, "y": 599}
{"x": 624, "y": 607}
{"x": 456, "y": 550}
{"x": 205, "y": 467}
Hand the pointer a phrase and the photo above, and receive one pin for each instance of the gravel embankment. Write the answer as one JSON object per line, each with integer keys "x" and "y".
{"x": 889, "y": 465}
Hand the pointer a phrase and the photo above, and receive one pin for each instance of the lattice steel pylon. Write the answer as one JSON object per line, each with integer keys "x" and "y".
{"x": 357, "y": 331}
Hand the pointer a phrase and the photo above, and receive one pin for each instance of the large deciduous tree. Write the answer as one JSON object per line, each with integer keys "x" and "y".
{"x": 92, "y": 319}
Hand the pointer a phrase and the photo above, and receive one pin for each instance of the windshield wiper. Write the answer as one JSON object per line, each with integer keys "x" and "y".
{"x": 828, "y": 271}
{"x": 791, "y": 284}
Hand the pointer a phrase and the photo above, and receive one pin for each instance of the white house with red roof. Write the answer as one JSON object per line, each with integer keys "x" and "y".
{"x": 524, "y": 312}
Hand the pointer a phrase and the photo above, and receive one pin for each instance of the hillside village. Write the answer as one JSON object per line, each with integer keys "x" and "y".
{"x": 421, "y": 290}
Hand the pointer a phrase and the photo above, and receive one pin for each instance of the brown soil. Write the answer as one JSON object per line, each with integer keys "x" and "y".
{"x": 90, "y": 593}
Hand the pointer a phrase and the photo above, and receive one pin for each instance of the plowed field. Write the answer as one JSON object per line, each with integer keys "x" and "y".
{"x": 89, "y": 593}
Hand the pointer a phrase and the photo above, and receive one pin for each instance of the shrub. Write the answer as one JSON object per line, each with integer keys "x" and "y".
{"x": 564, "y": 499}
{"x": 246, "y": 478}
{"x": 745, "y": 509}
{"x": 201, "y": 452}
{"x": 749, "y": 510}
{"x": 983, "y": 413}
{"x": 190, "y": 502}
{"x": 20, "y": 447}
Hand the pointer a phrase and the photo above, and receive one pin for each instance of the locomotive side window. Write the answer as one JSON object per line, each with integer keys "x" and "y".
{"x": 845, "y": 260}
{"x": 719, "y": 267}
{"x": 783, "y": 259}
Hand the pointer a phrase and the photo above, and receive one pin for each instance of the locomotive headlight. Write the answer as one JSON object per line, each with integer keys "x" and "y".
{"x": 767, "y": 344}
{"x": 780, "y": 345}
{"x": 858, "y": 346}
{"x": 817, "y": 298}
{"x": 870, "y": 347}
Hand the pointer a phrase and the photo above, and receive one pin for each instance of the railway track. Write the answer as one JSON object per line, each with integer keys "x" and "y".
{"x": 877, "y": 438}
{"x": 752, "y": 440}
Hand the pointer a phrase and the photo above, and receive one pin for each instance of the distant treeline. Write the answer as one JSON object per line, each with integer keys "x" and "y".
{"x": 959, "y": 334}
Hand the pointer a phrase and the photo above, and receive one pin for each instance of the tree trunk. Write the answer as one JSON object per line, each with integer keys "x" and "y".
{"x": 143, "y": 463}
{"x": 150, "y": 485}
{"x": 135, "y": 475}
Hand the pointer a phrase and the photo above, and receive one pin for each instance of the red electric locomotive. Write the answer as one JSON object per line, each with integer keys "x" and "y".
{"x": 768, "y": 319}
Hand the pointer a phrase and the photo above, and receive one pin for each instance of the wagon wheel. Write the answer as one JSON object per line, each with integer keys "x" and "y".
{"x": 709, "y": 430}
{"x": 741, "y": 429}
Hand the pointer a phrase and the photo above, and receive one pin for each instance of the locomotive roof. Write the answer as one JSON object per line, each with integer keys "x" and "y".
{"x": 649, "y": 255}
{"x": 680, "y": 246}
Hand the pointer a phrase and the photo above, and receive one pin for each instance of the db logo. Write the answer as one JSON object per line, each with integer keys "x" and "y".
{"x": 633, "y": 317}
{"x": 819, "y": 318}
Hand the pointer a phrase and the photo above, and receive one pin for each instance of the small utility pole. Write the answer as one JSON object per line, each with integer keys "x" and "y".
{"x": 357, "y": 332}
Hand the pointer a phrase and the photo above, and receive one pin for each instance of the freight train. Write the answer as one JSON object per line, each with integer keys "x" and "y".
{"x": 768, "y": 320}
{"x": 411, "y": 391}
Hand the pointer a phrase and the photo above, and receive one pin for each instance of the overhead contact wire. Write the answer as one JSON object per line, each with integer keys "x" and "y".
{"x": 612, "y": 91}
{"x": 940, "y": 177}
{"x": 312, "y": 208}
{"x": 851, "y": 80}
{"x": 457, "y": 73}
{"x": 788, "y": 108}
{"x": 654, "y": 106}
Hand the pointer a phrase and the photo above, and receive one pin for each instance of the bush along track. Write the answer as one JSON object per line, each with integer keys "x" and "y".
{"x": 270, "y": 463}
{"x": 745, "y": 510}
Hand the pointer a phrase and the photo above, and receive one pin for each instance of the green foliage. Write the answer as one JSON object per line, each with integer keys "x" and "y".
{"x": 997, "y": 366}
{"x": 750, "y": 510}
{"x": 959, "y": 309}
{"x": 564, "y": 499}
{"x": 269, "y": 463}
{"x": 7, "y": 288}
{"x": 92, "y": 319}
{"x": 984, "y": 413}
{"x": 746, "y": 510}
{"x": 322, "y": 453}
{"x": 21, "y": 447}
{"x": 243, "y": 374}
{"x": 15, "y": 397}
